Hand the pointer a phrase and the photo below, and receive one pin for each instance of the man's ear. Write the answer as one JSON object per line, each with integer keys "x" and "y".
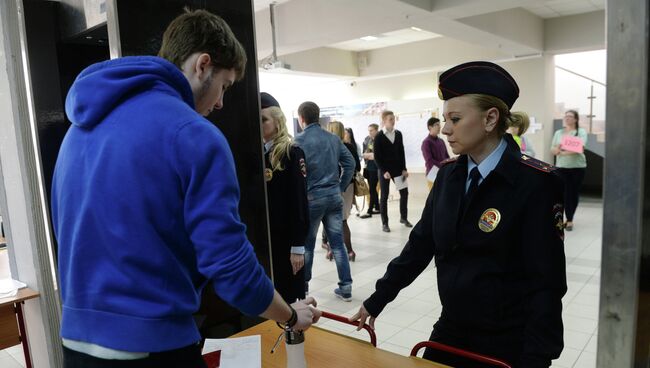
{"x": 203, "y": 66}
{"x": 491, "y": 119}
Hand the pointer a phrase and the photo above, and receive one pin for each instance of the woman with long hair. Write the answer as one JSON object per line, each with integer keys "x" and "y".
{"x": 491, "y": 222}
{"x": 571, "y": 163}
{"x": 285, "y": 174}
{"x": 337, "y": 128}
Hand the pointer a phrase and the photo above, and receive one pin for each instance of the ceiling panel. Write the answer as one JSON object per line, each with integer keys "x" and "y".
{"x": 558, "y": 8}
{"x": 399, "y": 37}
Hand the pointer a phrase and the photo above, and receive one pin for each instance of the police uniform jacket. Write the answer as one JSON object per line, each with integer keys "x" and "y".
{"x": 288, "y": 220}
{"x": 501, "y": 282}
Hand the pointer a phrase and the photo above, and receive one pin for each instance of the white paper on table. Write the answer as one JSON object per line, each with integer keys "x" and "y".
{"x": 431, "y": 176}
{"x": 9, "y": 287}
{"x": 400, "y": 182}
{"x": 237, "y": 352}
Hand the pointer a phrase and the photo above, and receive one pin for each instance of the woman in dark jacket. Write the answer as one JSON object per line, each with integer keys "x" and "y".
{"x": 493, "y": 223}
{"x": 285, "y": 175}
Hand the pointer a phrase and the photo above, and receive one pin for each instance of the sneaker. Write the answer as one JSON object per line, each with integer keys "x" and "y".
{"x": 365, "y": 216}
{"x": 385, "y": 229}
{"x": 346, "y": 297}
{"x": 376, "y": 212}
{"x": 405, "y": 222}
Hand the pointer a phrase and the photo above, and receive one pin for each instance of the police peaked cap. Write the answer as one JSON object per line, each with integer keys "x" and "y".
{"x": 478, "y": 77}
{"x": 267, "y": 100}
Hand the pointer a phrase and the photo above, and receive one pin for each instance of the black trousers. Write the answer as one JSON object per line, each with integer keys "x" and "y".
{"x": 373, "y": 179}
{"x": 572, "y": 182}
{"x": 187, "y": 357}
{"x": 384, "y": 185}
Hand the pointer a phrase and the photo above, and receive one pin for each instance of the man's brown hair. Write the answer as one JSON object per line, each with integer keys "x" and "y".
{"x": 204, "y": 32}
{"x": 309, "y": 111}
{"x": 386, "y": 113}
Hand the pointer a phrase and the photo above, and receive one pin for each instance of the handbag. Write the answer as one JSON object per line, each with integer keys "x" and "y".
{"x": 360, "y": 186}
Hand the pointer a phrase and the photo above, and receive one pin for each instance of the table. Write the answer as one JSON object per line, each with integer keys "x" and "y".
{"x": 12, "y": 333}
{"x": 329, "y": 349}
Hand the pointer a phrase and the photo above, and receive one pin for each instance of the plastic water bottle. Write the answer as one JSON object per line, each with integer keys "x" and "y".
{"x": 295, "y": 344}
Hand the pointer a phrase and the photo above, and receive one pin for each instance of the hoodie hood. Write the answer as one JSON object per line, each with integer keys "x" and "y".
{"x": 101, "y": 87}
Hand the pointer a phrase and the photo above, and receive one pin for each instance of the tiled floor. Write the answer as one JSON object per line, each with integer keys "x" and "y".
{"x": 409, "y": 318}
{"x": 12, "y": 357}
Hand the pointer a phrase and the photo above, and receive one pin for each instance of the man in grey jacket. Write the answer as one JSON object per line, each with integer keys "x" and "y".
{"x": 330, "y": 167}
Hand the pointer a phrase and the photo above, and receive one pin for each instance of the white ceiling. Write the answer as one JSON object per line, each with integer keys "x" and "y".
{"x": 399, "y": 37}
{"x": 559, "y": 8}
{"x": 311, "y": 31}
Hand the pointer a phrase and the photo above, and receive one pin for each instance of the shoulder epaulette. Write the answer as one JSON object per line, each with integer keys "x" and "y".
{"x": 448, "y": 161}
{"x": 537, "y": 164}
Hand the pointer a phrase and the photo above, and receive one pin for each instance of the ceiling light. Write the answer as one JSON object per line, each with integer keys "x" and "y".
{"x": 416, "y": 29}
{"x": 369, "y": 38}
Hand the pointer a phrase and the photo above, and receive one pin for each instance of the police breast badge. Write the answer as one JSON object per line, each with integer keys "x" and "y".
{"x": 489, "y": 220}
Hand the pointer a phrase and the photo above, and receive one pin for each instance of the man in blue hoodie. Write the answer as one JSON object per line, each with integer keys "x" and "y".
{"x": 145, "y": 205}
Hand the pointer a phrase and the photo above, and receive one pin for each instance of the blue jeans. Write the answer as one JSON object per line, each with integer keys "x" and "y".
{"x": 329, "y": 210}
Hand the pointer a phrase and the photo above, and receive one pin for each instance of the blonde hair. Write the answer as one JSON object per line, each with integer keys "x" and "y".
{"x": 336, "y": 128}
{"x": 517, "y": 119}
{"x": 282, "y": 141}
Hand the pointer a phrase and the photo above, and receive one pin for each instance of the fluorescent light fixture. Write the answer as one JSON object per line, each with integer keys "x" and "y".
{"x": 369, "y": 38}
{"x": 416, "y": 29}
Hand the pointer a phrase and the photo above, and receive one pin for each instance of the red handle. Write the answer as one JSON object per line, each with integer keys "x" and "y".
{"x": 459, "y": 352}
{"x": 371, "y": 331}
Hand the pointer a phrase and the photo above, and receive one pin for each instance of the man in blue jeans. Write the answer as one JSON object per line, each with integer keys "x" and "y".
{"x": 330, "y": 167}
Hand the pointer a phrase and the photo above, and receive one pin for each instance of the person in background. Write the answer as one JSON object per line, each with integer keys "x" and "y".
{"x": 349, "y": 138}
{"x": 286, "y": 187}
{"x": 145, "y": 205}
{"x": 517, "y": 131}
{"x": 434, "y": 149}
{"x": 325, "y": 156}
{"x": 571, "y": 165}
{"x": 391, "y": 161}
{"x": 500, "y": 262}
{"x": 337, "y": 128}
{"x": 370, "y": 172}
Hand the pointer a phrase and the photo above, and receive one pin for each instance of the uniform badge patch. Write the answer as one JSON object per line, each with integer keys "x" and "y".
{"x": 303, "y": 167}
{"x": 558, "y": 215}
{"x": 489, "y": 220}
{"x": 268, "y": 175}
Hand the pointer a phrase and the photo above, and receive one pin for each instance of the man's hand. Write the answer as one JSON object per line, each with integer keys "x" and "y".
{"x": 369, "y": 156}
{"x": 387, "y": 175}
{"x": 405, "y": 174}
{"x": 306, "y": 312}
{"x": 361, "y": 316}
{"x": 297, "y": 262}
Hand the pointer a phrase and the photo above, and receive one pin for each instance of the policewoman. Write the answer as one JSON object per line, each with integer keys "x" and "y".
{"x": 285, "y": 174}
{"x": 493, "y": 224}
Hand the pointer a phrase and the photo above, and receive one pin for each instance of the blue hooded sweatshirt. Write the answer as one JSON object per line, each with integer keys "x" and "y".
{"x": 145, "y": 210}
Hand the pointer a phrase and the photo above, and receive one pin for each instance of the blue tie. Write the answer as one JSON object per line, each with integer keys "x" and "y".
{"x": 475, "y": 176}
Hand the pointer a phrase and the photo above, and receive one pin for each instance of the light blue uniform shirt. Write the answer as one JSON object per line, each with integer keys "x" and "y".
{"x": 486, "y": 167}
